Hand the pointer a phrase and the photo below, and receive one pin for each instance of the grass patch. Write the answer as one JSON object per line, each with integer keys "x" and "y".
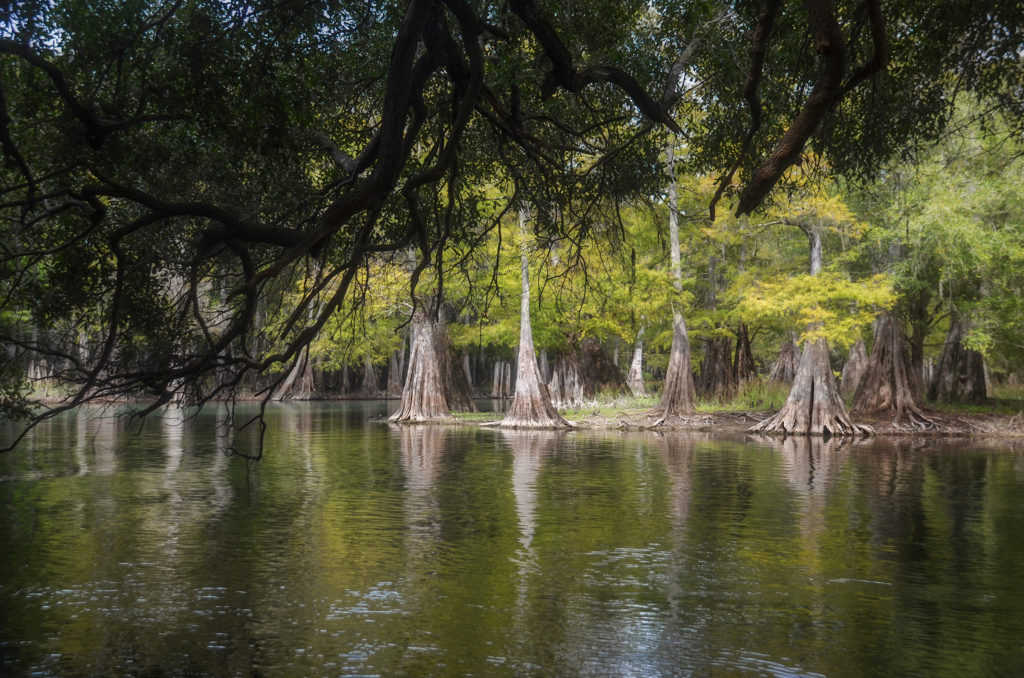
{"x": 752, "y": 396}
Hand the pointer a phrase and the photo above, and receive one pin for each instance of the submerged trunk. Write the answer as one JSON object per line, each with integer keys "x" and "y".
{"x": 716, "y": 368}
{"x": 814, "y": 406}
{"x": 960, "y": 374}
{"x": 635, "y": 378}
{"x": 853, "y": 370}
{"x": 784, "y": 369}
{"x": 677, "y": 396}
{"x": 531, "y": 406}
{"x": 887, "y": 386}
{"x": 743, "y": 367}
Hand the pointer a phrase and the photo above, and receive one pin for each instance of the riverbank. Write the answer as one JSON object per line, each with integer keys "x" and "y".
{"x": 940, "y": 422}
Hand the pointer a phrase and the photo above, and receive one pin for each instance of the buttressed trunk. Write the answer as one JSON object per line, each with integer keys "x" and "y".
{"x": 743, "y": 366}
{"x": 531, "y": 406}
{"x": 888, "y": 384}
{"x": 423, "y": 397}
{"x": 960, "y": 374}
{"x": 814, "y": 405}
{"x": 677, "y": 396}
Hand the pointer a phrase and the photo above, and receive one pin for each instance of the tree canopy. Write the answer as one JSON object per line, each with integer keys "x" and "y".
{"x": 181, "y": 177}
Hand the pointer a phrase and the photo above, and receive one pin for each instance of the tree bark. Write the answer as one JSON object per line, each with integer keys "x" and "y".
{"x": 423, "y": 397}
{"x": 814, "y": 406}
{"x": 635, "y": 377}
{"x": 395, "y": 373}
{"x": 960, "y": 374}
{"x": 370, "y": 387}
{"x": 567, "y": 387}
{"x": 743, "y": 366}
{"x": 784, "y": 369}
{"x": 854, "y": 369}
{"x": 677, "y": 396}
{"x": 716, "y": 368}
{"x": 887, "y": 386}
{"x": 531, "y": 406}
{"x": 298, "y": 385}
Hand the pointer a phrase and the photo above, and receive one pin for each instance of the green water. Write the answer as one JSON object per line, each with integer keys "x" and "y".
{"x": 359, "y": 548}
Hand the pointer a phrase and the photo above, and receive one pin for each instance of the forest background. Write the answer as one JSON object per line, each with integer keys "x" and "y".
{"x": 210, "y": 200}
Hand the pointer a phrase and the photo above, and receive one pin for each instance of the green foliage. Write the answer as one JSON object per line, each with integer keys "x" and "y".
{"x": 828, "y": 305}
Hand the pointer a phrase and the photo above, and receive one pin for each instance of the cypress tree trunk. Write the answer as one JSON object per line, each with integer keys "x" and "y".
{"x": 369, "y": 377}
{"x": 814, "y": 405}
{"x": 567, "y": 386}
{"x": 887, "y": 386}
{"x": 531, "y": 406}
{"x": 743, "y": 366}
{"x": 854, "y": 369}
{"x": 635, "y": 377}
{"x": 960, "y": 374}
{"x": 395, "y": 371}
{"x": 677, "y": 396}
{"x": 423, "y": 397}
{"x": 784, "y": 369}
{"x": 716, "y": 368}
{"x": 299, "y": 383}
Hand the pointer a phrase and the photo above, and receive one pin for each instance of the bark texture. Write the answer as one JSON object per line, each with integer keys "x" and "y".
{"x": 423, "y": 397}
{"x": 785, "y": 367}
{"x": 814, "y": 406}
{"x": 457, "y": 390}
{"x": 716, "y": 368}
{"x": 743, "y": 367}
{"x": 501, "y": 382}
{"x": 960, "y": 374}
{"x": 567, "y": 385}
{"x": 677, "y": 396}
{"x": 370, "y": 387}
{"x": 395, "y": 373}
{"x": 635, "y": 377}
{"x": 854, "y": 369}
{"x": 298, "y": 385}
{"x": 887, "y": 386}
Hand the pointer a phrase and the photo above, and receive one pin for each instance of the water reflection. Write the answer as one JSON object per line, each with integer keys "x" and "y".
{"x": 354, "y": 547}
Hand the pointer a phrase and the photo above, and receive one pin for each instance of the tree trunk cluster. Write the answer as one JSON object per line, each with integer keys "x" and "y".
{"x": 501, "y": 382}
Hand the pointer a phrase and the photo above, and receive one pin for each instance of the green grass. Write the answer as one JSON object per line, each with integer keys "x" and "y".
{"x": 752, "y": 396}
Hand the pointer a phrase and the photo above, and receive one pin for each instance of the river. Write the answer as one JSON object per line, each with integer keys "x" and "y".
{"x": 355, "y": 547}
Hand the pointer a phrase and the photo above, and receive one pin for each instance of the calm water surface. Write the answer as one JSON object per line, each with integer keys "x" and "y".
{"x": 359, "y": 548}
